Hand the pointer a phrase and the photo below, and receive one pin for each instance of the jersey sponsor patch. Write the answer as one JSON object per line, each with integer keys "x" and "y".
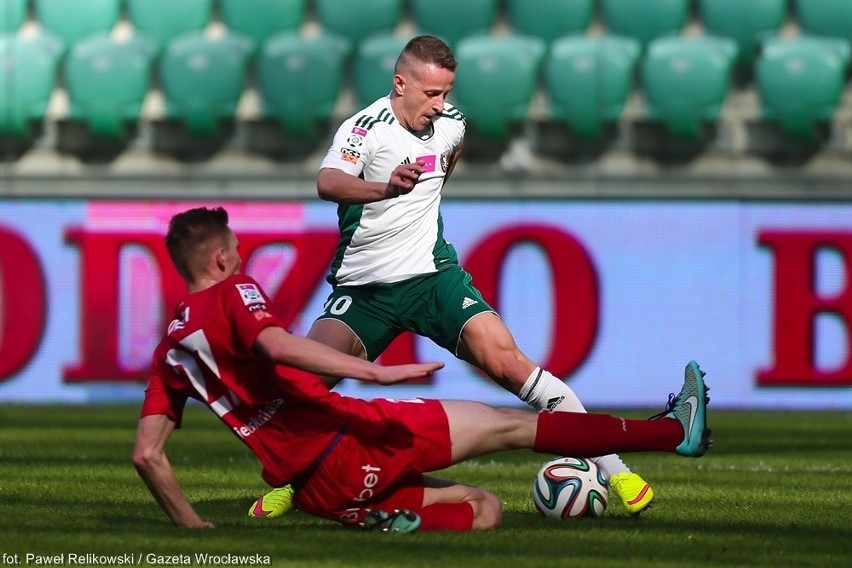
{"x": 358, "y": 131}
{"x": 349, "y": 155}
{"x": 250, "y": 294}
{"x": 428, "y": 162}
{"x": 445, "y": 161}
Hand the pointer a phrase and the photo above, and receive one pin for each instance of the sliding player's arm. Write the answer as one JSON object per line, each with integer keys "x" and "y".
{"x": 153, "y": 466}
{"x": 308, "y": 355}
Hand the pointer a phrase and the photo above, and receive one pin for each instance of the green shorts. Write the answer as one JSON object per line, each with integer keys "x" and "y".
{"x": 435, "y": 305}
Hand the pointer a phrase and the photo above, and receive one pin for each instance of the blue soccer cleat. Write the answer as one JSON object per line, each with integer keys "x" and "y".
{"x": 689, "y": 408}
{"x": 399, "y": 521}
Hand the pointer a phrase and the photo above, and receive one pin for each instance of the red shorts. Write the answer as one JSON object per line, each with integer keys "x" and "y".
{"x": 380, "y": 462}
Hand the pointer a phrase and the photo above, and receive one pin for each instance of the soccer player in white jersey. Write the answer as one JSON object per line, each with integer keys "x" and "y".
{"x": 394, "y": 272}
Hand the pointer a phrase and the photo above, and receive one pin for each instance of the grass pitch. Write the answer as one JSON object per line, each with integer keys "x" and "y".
{"x": 775, "y": 490}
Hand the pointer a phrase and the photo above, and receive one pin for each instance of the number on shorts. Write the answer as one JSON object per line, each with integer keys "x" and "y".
{"x": 337, "y": 307}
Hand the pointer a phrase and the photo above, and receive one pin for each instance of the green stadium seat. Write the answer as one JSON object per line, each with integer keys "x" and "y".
{"x": 686, "y": 81}
{"x": 826, "y": 18}
{"x": 71, "y": 20}
{"x": 27, "y": 81}
{"x": 644, "y": 20}
{"x": 356, "y": 21}
{"x": 452, "y": 20}
{"x": 261, "y": 19}
{"x": 747, "y": 23}
{"x": 549, "y": 19}
{"x": 372, "y": 71}
{"x": 496, "y": 79}
{"x": 203, "y": 79}
{"x": 12, "y": 14}
{"x": 164, "y": 20}
{"x": 299, "y": 80}
{"x": 107, "y": 82}
{"x": 801, "y": 81}
{"x": 588, "y": 80}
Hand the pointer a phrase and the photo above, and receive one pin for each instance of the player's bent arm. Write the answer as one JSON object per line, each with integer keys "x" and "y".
{"x": 309, "y": 355}
{"x": 153, "y": 466}
{"x": 340, "y": 187}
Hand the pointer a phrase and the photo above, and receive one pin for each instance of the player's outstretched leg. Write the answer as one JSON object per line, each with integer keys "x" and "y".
{"x": 689, "y": 407}
{"x": 273, "y": 504}
{"x": 543, "y": 390}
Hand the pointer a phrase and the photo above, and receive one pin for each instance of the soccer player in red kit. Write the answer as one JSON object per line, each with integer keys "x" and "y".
{"x": 358, "y": 462}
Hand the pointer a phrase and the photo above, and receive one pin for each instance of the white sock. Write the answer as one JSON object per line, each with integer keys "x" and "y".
{"x": 543, "y": 391}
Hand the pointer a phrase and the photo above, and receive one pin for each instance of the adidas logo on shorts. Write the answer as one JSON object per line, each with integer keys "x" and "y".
{"x": 467, "y": 302}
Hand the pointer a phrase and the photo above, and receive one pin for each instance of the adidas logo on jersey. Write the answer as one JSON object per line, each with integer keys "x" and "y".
{"x": 467, "y": 302}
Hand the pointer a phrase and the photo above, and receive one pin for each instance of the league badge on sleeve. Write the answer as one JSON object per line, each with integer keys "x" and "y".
{"x": 250, "y": 294}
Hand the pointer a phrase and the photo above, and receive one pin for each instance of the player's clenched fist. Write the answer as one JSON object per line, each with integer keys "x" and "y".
{"x": 403, "y": 178}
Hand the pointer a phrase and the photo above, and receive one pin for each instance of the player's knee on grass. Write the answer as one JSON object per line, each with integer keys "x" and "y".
{"x": 487, "y": 510}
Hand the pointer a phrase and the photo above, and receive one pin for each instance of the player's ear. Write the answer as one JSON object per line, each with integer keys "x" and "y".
{"x": 398, "y": 84}
{"x": 221, "y": 263}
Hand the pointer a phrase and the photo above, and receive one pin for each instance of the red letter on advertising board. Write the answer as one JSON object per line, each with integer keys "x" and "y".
{"x": 575, "y": 288}
{"x": 99, "y": 284}
{"x": 100, "y": 255}
{"x": 797, "y": 305}
{"x": 313, "y": 253}
{"x": 22, "y": 303}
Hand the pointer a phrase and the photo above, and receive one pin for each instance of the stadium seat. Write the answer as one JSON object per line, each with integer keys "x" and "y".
{"x": 644, "y": 20}
{"x": 12, "y": 14}
{"x": 686, "y": 81}
{"x": 495, "y": 81}
{"x": 452, "y": 20}
{"x": 549, "y": 19}
{"x": 202, "y": 80}
{"x": 107, "y": 82}
{"x": 164, "y": 20}
{"x": 27, "y": 81}
{"x": 827, "y": 18}
{"x": 747, "y": 23}
{"x": 801, "y": 81}
{"x": 71, "y": 20}
{"x": 299, "y": 80}
{"x": 356, "y": 21}
{"x": 588, "y": 80}
{"x": 372, "y": 71}
{"x": 261, "y": 19}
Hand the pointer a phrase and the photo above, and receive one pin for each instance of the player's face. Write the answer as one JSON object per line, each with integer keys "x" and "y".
{"x": 423, "y": 93}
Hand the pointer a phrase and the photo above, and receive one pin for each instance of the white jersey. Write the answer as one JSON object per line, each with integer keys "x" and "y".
{"x": 399, "y": 238}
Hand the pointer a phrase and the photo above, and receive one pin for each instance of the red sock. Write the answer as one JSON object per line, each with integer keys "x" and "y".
{"x": 582, "y": 435}
{"x": 446, "y": 517}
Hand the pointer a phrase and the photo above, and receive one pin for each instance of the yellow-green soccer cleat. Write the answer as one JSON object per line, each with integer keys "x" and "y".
{"x": 273, "y": 504}
{"x": 635, "y": 493}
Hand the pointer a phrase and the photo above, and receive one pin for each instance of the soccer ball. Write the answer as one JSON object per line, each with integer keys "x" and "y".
{"x": 570, "y": 488}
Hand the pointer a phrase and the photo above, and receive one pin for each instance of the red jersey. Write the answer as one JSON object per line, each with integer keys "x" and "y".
{"x": 288, "y": 417}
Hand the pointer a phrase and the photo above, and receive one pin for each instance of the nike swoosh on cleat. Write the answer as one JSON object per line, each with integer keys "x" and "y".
{"x": 692, "y": 401}
{"x": 641, "y": 495}
{"x": 258, "y": 510}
